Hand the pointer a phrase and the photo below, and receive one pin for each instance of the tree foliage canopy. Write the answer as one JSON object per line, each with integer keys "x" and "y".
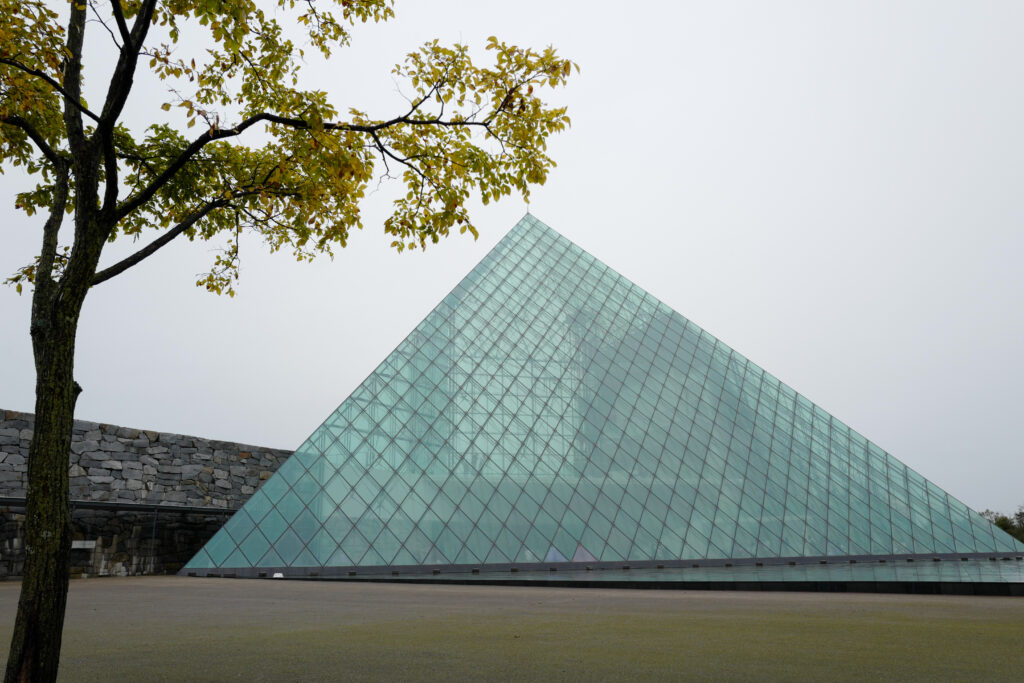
{"x": 241, "y": 144}
{"x": 238, "y": 143}
{"x": 1011, "y": 524}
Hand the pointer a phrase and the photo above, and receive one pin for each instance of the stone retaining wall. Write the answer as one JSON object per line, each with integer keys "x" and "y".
{"x": 108, "y": 462}
{"x": 123, "y": 465}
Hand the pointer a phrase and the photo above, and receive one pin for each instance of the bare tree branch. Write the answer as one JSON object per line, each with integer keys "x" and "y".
{"x": 405, "y": 161}
{"x": 44, "y": 274}
{"x": 197, "y": 145}
{"x": 219, "y": 134}
{"x": 42, "y": 298}
{"x": 33, "y": 135}
{"x": 117, "y": 95}
{"x": 74, "y": 101}
{"x": 155, "y": 245}
{"x": 99, "y": 20}
{"x": 73, "y": 79}
{"x": 122, "y": 27}
{"x": 124, "y": 71}
{"x": 110, "y": 177}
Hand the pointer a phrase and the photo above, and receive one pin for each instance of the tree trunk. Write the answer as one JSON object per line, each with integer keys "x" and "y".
{"x": 35, "y": 646}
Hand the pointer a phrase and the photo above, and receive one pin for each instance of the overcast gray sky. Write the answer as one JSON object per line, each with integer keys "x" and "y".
{"x": 832, "y": 188}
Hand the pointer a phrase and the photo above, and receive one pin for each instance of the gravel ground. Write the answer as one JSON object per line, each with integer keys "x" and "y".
{"x": 181, "y": 629}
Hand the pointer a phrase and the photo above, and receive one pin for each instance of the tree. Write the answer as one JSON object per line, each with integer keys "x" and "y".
{"x": 254, "y": 153}
{"x": 1012, "y": 525}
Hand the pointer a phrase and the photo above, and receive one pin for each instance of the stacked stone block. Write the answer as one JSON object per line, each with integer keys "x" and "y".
{"x": 114, "y": 464}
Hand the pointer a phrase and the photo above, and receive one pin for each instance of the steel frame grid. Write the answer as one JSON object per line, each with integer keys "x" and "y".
{"x": 821, "y": 428}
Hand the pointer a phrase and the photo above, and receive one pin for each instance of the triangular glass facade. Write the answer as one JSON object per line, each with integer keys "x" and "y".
{"x": 550, "y": 411}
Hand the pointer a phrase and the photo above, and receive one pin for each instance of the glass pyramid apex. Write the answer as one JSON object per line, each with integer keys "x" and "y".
{"x": 550, "y": 411}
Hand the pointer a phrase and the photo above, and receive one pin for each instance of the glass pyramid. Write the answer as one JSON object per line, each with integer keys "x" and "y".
{"x": 550, "y": 411}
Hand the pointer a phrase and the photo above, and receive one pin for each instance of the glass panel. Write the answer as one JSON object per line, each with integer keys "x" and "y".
{"x": 548, "y": 404}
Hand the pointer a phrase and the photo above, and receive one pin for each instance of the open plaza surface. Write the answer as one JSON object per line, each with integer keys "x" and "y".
{"x": 175, "y": 628}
